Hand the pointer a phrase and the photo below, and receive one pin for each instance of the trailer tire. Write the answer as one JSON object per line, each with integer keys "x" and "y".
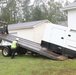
{"x": 21, "y": 51}
{"x": 6, "y": 51}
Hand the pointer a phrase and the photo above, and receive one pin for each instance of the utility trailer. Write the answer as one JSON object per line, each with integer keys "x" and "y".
{"x": 27, "y": 45}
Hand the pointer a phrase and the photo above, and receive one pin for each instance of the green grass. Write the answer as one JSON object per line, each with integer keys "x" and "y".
{"x": 29, "y": 65}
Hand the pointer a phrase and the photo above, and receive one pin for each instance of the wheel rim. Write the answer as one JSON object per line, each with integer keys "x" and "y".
{"x": 5, "y": 52}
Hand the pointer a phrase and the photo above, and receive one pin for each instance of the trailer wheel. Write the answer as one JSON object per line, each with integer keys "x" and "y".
{"x": 6, "y": 52}
{"x": 21, "y": 51}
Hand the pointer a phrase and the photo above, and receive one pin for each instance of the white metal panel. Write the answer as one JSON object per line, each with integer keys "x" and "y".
{"x": 47, "y": 32}
{"x": 72, "y": 36}
{"x": 71, "y": 40}
{"x": 58, "y": 36}
{"x": 71, "y": 45}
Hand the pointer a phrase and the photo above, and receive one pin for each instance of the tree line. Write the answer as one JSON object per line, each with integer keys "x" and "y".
{"x": 14, "y": 11}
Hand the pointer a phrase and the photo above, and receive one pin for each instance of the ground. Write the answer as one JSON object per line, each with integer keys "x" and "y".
{"x": 29, "y": 65}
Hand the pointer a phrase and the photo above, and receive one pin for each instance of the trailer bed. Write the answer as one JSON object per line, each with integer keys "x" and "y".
{"x": 33, "y": 46}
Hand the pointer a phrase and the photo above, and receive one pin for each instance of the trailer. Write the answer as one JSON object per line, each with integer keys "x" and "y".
{"x": 25, "y": 46}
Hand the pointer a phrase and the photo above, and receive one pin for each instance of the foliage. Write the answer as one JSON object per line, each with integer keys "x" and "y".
{"x": 36, "y": 14}
{"x": 13, "y": 11}
{"x": 26, "y": 10}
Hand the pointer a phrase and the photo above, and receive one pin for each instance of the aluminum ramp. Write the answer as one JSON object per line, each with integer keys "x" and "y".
{"x": 32, "y": 46}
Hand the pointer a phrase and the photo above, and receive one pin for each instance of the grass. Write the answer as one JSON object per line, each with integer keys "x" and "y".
{"x": 29, "y": 65}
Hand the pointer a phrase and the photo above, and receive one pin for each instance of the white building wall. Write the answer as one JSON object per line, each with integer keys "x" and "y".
{"x": 39, "y": 32}
{"x": 34, "y": 34}
{"x": 72, "y": 18}
{"x": 24, "y": 33}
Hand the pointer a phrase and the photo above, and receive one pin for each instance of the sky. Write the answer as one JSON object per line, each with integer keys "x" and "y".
{"x": 67, "y": 0}
{"x": 62, "y": 1}
{"x": 71, "y": 0}
{"x": 59, "y": 0}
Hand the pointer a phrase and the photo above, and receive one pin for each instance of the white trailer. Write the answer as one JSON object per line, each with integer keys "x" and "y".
{"x": 60, "y": 39}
